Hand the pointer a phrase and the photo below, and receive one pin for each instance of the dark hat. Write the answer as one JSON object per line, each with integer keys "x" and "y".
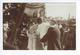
{"x": 72, "y": 22}
{"x": 39, "y": 20}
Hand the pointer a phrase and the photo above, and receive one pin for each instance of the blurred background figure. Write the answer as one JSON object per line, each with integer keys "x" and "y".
{"x": 69, "y": 37}
{"x": 22, "y": 37}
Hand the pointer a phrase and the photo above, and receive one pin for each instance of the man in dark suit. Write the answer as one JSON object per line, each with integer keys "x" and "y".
{"x": 51, "y": 37}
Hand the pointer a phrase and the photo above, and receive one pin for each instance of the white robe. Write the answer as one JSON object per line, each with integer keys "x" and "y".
{"x": 42, "y": 29}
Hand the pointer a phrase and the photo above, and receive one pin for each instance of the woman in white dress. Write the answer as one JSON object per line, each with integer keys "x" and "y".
{"x": 33, "y": 43}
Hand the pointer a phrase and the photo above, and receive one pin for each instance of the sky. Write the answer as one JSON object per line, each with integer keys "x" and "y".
{"x": 60, "y": 9}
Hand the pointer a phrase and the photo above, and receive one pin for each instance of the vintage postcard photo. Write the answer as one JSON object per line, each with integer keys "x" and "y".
{"x": 39, "y": 26}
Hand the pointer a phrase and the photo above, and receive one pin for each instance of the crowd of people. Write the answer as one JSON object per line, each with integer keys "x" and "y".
{"x": 41, "y": 35}
{"x": 21, "y": 32}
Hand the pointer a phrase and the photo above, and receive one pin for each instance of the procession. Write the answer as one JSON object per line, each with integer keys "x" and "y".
{"x": 27, "y": 26}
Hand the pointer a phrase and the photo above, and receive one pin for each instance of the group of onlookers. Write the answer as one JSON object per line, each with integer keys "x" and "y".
{"x": 40, "y": 35}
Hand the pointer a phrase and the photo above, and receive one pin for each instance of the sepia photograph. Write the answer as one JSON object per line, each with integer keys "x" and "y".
{"x": 39, "y": 26}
